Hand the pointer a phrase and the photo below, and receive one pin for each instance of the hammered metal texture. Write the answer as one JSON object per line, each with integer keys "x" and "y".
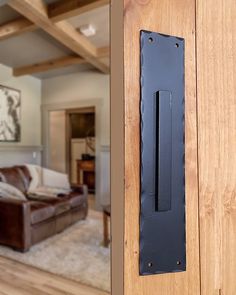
{"x": 162, "y": 233}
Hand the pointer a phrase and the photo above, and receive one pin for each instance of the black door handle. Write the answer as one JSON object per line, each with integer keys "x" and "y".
{"x": 162, "y": 169}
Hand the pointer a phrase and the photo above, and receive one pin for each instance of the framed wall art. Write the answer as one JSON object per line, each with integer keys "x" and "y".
{"x": 10, "y": 110}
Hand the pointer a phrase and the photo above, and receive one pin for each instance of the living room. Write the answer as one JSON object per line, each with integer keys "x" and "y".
{"x": 55, "y": 144}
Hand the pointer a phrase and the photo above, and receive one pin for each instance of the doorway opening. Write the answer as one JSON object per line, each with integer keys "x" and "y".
{"x": 81, "y": 146}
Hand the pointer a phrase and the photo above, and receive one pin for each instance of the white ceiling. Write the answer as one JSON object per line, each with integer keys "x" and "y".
{"x": 35, "y": 47}
{"x": 100, "y": 19}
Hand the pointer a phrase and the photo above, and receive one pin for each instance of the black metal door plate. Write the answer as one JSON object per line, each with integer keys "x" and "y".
{"x": 162, "y": 216}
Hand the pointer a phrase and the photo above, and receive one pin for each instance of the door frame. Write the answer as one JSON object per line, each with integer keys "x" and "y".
{"x": 82, "y": 103}
{"x": 117, "y": 146}
{"x": 68, "y": 133}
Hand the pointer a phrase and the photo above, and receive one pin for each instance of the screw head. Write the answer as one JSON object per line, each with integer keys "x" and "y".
{"x": 150, "y": 40}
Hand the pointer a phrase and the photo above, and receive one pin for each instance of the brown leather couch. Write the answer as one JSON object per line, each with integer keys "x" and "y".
{"x": 25, "y": 223}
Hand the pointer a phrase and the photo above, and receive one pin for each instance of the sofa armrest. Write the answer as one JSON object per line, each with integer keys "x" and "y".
{"x": 15, "y": 224}
{"x": 80, "y": 188}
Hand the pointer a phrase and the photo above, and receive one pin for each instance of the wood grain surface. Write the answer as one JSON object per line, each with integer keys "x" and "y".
{"x": 174, "y": 17}
{"x": 216, "y": 80}
{"x": 20, "y": 279}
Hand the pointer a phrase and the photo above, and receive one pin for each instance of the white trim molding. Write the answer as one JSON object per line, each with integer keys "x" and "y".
{"x": 21, "y": 148}
{"x": 20, "y": 154}
{"x": 105, "y": 148}
{"x": 103, "y": 184}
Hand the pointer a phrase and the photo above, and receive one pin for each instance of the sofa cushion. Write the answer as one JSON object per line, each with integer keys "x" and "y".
{"x": 60, "y": 205}
{"x": 41, "y": 211}
{"x": 75, "y": 199}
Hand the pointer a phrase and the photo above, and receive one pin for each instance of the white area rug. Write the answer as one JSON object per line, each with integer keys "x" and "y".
{"x": 77, "y": 253}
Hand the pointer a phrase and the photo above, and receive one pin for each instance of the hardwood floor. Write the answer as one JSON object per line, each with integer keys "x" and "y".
{"x": 19, "y": 279}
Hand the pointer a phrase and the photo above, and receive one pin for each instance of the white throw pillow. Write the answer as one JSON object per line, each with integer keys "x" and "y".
{"x": 8, "y": 191}
{"x": 43, "y": 177}
{"x": 55, "y": 179}
{"x": 35, "y": 173}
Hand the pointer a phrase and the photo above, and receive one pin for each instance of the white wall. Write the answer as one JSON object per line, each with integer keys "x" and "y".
{"x": 11, "y": 156}
{"x": 84, "y": 88}
{"x": 81, "y": 86}
{"x": 30, "y": 87}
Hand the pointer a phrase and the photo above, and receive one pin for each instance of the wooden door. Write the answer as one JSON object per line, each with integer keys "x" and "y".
{"x": 216, "y": 96}
{"x": 210, "y": 118}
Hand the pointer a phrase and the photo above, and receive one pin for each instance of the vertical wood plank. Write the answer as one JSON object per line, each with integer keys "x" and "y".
{"x": 175, "y": 17}
{"x": 117, "y": 146}
{"x": 216, "y": 79}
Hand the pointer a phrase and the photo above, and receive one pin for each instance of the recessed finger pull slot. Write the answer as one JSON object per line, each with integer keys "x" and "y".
{"x": 162, "y": 195}
{"x": 163, "y": 150}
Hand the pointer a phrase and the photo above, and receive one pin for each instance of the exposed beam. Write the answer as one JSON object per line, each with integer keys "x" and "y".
{"x": 58, "y": 63}
{"x": 65, "y": 9}
{"x": 57, "y": 11}
{"x": 16, "y": 27}
{"x": 103, "y": 51}
{"x": 36, "y": 11}
{"x": 48, "y": 65}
